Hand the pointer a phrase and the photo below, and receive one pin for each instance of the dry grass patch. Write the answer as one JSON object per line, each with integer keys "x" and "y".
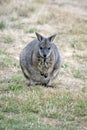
{"x": 25, "y": 10}
{"x": 7, "y": 39}
{"x": 46, "y": 18}
{"x": 20, "y": 8}
{"x": 78, "y": 45}
{"x": 31, "y": 30}
{"x": 40, "y": 1}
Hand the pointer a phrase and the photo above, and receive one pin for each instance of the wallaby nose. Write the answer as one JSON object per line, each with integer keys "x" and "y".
{"x": 44, "y": 55}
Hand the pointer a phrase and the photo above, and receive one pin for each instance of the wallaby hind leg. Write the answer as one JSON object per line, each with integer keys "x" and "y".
{"x": 32, "y": 83}
{"x": 51, "y": 84}
{"x": 25, "y": 72}
{"x": 26, "y": 76}
{"x": 54, "y": 74}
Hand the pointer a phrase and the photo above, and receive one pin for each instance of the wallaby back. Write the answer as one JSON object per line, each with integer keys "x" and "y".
{"x": 40, "y": 60}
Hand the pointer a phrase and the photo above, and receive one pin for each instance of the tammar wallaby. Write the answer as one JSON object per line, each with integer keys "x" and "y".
{"x": 40, "y": 61}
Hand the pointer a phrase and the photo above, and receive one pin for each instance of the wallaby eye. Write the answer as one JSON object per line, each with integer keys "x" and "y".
{"x": 41, "y": 48}
{"x": 49, "y": 48}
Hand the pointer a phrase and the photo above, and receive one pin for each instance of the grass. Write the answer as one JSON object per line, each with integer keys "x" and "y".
{"x": 26, "y": 10}
{"x": 4, "y": 1}
{"x": 24, "y": 108}
{"x": 18, "y": 26}
{"x": 8, "y": 62}
{"x": 7, "y": 39}
{"x": 65, "y": 66}
{"x": 78, "y": 31}
{"x": 2, "y": 25}
{"x": 38, "y": 107}
{"x": 39, "y": 1}
{"x": 13, "y": 19}
{"x": 19, "y": 124}
{"x": 31, "y": 30}
{"x": 80, "y": 57}
{"x": 79, "y": 45}
{"x": 46, "y": 18}
{"x": 4, "y": 52}
{"x": 81, "y": 108}
{"x": 78, "y": 73}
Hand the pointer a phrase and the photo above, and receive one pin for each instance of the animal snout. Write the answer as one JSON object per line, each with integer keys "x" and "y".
{"x": 44, "y": 55}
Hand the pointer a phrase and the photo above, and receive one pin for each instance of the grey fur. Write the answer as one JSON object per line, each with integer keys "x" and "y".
{"x": 40, "y": 60}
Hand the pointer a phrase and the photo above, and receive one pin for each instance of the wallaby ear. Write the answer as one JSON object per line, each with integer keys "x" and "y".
{"x": 51, "y": 38}
{"x": 39, "y": 37}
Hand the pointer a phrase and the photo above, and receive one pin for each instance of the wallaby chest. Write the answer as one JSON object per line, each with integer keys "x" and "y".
{"x": 43, "y": 65}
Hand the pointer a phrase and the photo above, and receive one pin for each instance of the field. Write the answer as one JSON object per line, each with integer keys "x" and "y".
{"x": 63, "y": 107}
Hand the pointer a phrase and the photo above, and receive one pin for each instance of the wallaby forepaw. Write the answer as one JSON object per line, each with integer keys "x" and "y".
{"x": 28, "y": 84}
{"x": 51, "y": 86}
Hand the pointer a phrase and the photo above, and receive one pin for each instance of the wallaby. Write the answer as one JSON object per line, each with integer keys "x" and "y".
{"x": 40, "y": 60}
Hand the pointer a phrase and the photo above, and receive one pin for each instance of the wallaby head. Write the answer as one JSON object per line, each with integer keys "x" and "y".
{"x": 45, "y": 45}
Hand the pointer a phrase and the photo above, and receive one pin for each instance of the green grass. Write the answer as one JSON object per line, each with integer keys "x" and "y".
{"x": 80, "y": 108}
{"x": 24, "y": 124}
{"x": 7, "y": 61}
{"x": 2, "y": 25}
{"x": 13, "y": 84}
{"x": 31, "y": 30}
{"x": 13, "y": 19}
{"x": 26, "y": 108}
{"x": 78, "y": 73}
{"x": 65, "y": 66}
{"x": 4, "y": 52}
{"x": 84, "y": 89}
{"x": 7, "y": 39}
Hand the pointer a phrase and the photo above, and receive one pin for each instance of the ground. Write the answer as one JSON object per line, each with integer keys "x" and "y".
{"x": 38, "y": 107}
